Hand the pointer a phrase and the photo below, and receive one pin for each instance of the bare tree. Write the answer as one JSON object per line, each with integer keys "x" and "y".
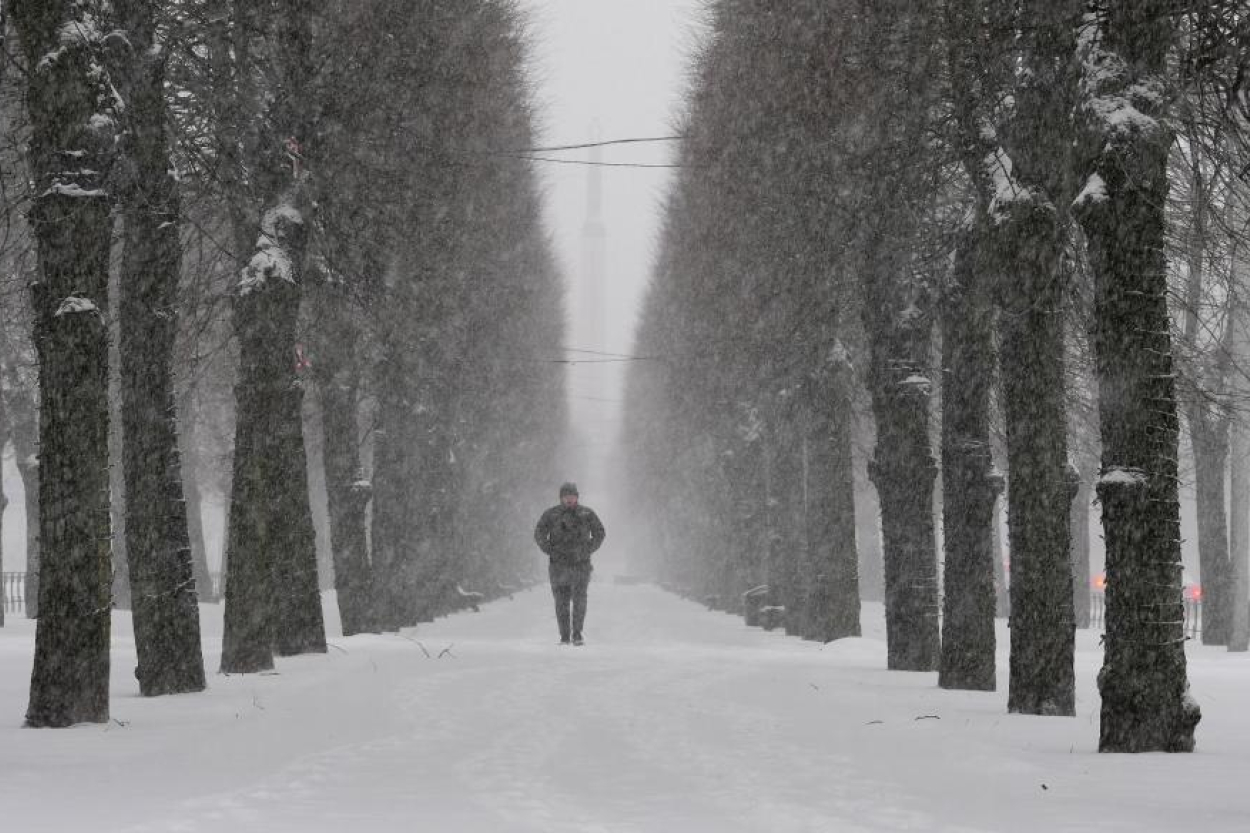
{"x": 158, "y": 546}
{"x": 1146, "y": 704}
{"x": 72, "y": 131}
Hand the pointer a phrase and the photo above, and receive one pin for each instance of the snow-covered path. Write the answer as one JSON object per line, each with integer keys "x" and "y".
{"x": 671, "y": 719}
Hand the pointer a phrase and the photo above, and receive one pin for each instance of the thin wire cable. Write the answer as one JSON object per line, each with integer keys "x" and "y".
{"x": 592, "y": 164}
{"x": 555, "y": 148}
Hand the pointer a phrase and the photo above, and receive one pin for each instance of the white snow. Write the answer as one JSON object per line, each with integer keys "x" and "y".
{"x": 282, "y": 211}
{"x": 921, "y": 384}
{"x": 1007, "y": 190}
{"x": 1124, "y": 476}
{"x": 271, "y": 259}
{"x": 672, "y": 719}
{"x": 70, "y": 189}
{"x": 75, "y": 304}
{"x": 1095, "y": 190}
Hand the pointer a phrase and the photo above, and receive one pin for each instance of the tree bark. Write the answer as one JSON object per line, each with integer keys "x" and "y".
{"x": 347, "y": 492}
{"x": 393, "y": 485}
{"x": 1238, "y": 348}
{"x": 189, "y": 454}
{"x": 162, "y": 581}
{"x": 969, "y": 485}
{"x": 70, "y": 147}
{"x": 903, "y": 471}
{"x": 1033, "y": 221}
{"x": 898, "y": 318}
{"x": 1208, "y": 434}
{"x": 1207, "y": 418}
{"x": 833, "y": 605}
{"x": 1080, "y": 548}
{"x": 1146, "y": 704}
{"x": 270, "y": 514}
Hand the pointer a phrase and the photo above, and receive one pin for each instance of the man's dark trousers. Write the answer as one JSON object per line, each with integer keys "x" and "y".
{"x": 568, "y": 585}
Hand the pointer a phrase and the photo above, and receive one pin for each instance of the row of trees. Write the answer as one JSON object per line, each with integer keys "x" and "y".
{"x": 325, "y": 197}
{"x": 964, "y": 204}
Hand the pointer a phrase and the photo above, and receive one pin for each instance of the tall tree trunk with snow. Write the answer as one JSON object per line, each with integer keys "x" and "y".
{"x": 162, "y": 582}
{"x": 898, "y": 318}
{"x": 903, "y": 469}
{"x": 969, "y": 487}
{"x": 977, "y": 69}
{"x": 273, "y": 601}
{"x": 1031, "y": 205}
{"x": 70, "y": 147}
{"x": 1146, "y": 704}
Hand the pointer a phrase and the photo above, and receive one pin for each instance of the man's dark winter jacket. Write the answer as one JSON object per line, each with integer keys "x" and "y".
{"x": 569, "y": 535}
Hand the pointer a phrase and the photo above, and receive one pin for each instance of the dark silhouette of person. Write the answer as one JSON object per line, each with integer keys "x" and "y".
{"x": 569, "y": 533}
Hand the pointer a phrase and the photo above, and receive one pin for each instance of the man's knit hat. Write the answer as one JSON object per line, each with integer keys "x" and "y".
{"x": 568, "y": 489}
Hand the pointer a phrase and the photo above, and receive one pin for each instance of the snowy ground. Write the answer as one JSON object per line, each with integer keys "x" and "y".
{"x": 670, "y": 719}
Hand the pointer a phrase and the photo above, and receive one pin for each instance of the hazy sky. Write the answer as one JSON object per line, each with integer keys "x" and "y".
{"x": 617, "y": 68}
{"x": 621, "y": 64}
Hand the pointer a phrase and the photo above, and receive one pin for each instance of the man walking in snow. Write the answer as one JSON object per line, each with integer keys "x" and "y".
{"x": 569, "y": 533}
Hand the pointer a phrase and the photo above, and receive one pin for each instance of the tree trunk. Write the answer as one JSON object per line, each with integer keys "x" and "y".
{"x": 347, "y": 492}
{"x": 272, "y": 597}
{"x": 834, "y": 602}
{"x": 189, "y": 454}
{"x": 969, "y": 485}
{"x": 1146, "y": 704}
{"x": 1239, "y": 529}
{"x": 392, "y": 489}
{"x": 270, "y": 514}
{"x": 1238, "y": 349}
{"x": 1206, "y": 415}
{"x": 1080, "y": 549}
{"x": 903, "y": 471}
{"x": 434, "y": 495}
{"x": 70, "y": 218}
{"x": 1002, "y": 598}
{"x": 1042, "y": 679}
{"x": 1208, "y": 435}
{"x": 898, "y": 319}
{"x": 158, "y": 546}
{"x": 1033, "y": 222}
{"x": 792, "y": 574}
{"x": 868, "y": 529}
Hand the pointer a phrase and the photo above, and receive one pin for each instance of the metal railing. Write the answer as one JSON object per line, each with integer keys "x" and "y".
{"x": 13, "y": 586}
{"x": 1193, "y": 613}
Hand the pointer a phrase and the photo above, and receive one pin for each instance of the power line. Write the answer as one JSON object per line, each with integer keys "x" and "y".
{"x": 585, "y": 145}
{"x": 592, "y": 164}
{"x": 606, "y": 361}
{"x": 597, "y": 353}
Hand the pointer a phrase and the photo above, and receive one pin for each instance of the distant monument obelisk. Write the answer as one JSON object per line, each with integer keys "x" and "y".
{"x": 590, "y": 381}
{"x": 593, "y": 312}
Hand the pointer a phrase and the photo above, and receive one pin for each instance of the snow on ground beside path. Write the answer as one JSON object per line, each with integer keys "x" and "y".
{"x": 670, "y": 719}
